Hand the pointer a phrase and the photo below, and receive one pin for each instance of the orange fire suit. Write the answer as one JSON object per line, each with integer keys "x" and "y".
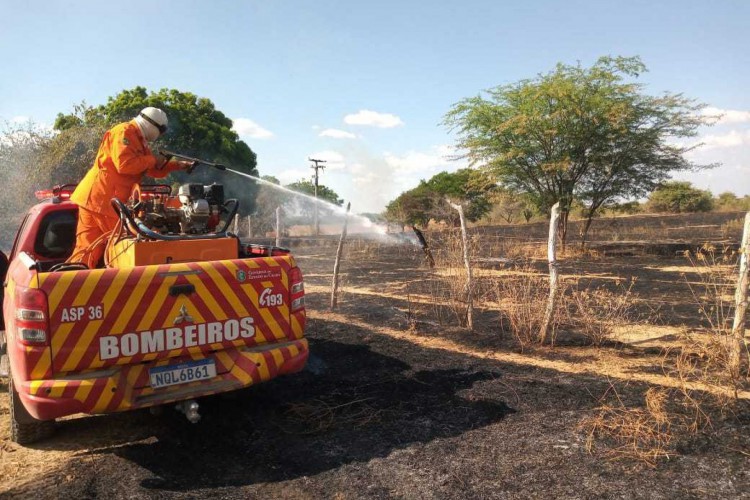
{"x": 123, "y": 158}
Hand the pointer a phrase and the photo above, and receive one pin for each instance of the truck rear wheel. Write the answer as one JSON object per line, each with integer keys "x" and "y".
{"x": 25, "y": 429}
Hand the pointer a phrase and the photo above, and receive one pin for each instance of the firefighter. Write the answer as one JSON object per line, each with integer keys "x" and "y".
{"x": 121, "y": 162}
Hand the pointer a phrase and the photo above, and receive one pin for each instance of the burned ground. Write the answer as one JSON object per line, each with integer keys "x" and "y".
{"x": 395, "y": 403}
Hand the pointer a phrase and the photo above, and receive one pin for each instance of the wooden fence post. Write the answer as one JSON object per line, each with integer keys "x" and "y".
{"x": 278, "y": 226}
{"x": 740, "y": 306}
{"x": 467, "y": 264}
{"x": 553, "y": 273}
{"x": 335, "y": 282}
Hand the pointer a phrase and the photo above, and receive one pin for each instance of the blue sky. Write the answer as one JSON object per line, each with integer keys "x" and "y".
{"x": 365, "y": 84}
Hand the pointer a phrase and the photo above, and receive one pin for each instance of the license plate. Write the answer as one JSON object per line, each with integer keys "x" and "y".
{"x": 164, "y": 376}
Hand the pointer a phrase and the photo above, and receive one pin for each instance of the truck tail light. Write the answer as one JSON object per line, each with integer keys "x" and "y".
{"x": 31, "y": 316}
{"x": 296, "y": 289}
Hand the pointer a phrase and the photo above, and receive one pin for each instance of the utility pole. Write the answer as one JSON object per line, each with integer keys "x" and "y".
{"x": 316, "y": 166}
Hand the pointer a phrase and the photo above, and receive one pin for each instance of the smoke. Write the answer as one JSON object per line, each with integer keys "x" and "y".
{"x": 22, "y": 147}
{"x": 371, "y": 180}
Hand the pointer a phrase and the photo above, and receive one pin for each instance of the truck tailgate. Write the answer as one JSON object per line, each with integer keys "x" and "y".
{"x": 104, "y": 317}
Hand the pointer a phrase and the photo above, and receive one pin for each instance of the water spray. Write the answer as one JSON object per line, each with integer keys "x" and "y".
{"x": 380, "y": 230}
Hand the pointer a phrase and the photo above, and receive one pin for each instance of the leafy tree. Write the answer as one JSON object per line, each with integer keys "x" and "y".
{"x": 428, "y": 200}
{"x": 465, "y": 186}
{"x": 729, "y": 202}
{"x": 680, "y": 197}
{"x": 586, "y": 133}
{"x": 413, "y": 207}
{"x": 324, "y": 192}
{"x": 196, "y": 128}
{"x": 304, "y": 206}
{"x": 511, "y": 207}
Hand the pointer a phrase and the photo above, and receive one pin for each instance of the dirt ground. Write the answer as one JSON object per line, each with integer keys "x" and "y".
{"x": 394, "y": 404}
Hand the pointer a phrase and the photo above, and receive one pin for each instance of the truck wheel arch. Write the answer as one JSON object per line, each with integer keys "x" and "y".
{"x": 25, "y": 429}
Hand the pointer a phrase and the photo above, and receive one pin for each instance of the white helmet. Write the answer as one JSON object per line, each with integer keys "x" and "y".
{"x": 153, "y": 122}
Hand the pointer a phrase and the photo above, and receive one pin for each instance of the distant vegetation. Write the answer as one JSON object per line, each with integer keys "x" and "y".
{"x": 588, "y": 138}
{"x": 490, "y": 204}
{"x": 679, "y": 197}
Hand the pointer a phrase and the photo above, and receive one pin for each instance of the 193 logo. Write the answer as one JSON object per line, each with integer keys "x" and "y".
{"x": 269, "y": 299}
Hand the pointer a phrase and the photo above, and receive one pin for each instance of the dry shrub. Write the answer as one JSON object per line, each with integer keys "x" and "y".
{"x": 705, "y": 389}
{"x": 702, "y": 364}
{"x": 714, "y": 297}
{"x": 523, "y": 298}
{"x": 595, "y": 312}
{"x": 514, "y": 248}
{"x": 733, "y": 228}
{"x": 639, "y": 433}
{"x": 448, "y": 291}
{"x": 714, "y": 292}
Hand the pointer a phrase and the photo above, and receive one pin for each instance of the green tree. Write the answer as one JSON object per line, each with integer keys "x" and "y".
{"x": 196, "y": 128}
{"x": 413, "y": 207}
{"x": 302, "y": 208}
{"x": 586, "y": 133}
{"x": 680, "y": 197}
{"x": 730, "y": 202}
{"x": 727, "y": 201}
{"x": 324, "y": 192}
{"x": 510, "y": 207}
{"x": 428, "y": 200}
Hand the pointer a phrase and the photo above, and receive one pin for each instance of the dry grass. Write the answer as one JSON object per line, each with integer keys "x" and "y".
{"x": 320, "y": 416}
{"x": 523, "y": 300}
{"x": 649, "y": 432}
{"x": 714, "y": 297}
{"x": 733, "y": 228}
{"x": 666, "y": 417}
{"x": 448, "y": 288}
{"x": 713, "y": 294}
{"x": 596, "y": 312}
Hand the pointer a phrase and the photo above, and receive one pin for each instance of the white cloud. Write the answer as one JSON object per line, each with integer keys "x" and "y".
{"x": 731, "y": 150}
{"x": 245, "y": 127}
{"x": 729, "y": 140}
{"x": 416, "y": 162}
{"x": 728, "y": 116}
{"x": 337, "y": 134}
{"x": 291, "y": 175}
{"x": 373, "y": 119}
{"x": 371, "y": 179}
{"x": 20, "y": 119}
